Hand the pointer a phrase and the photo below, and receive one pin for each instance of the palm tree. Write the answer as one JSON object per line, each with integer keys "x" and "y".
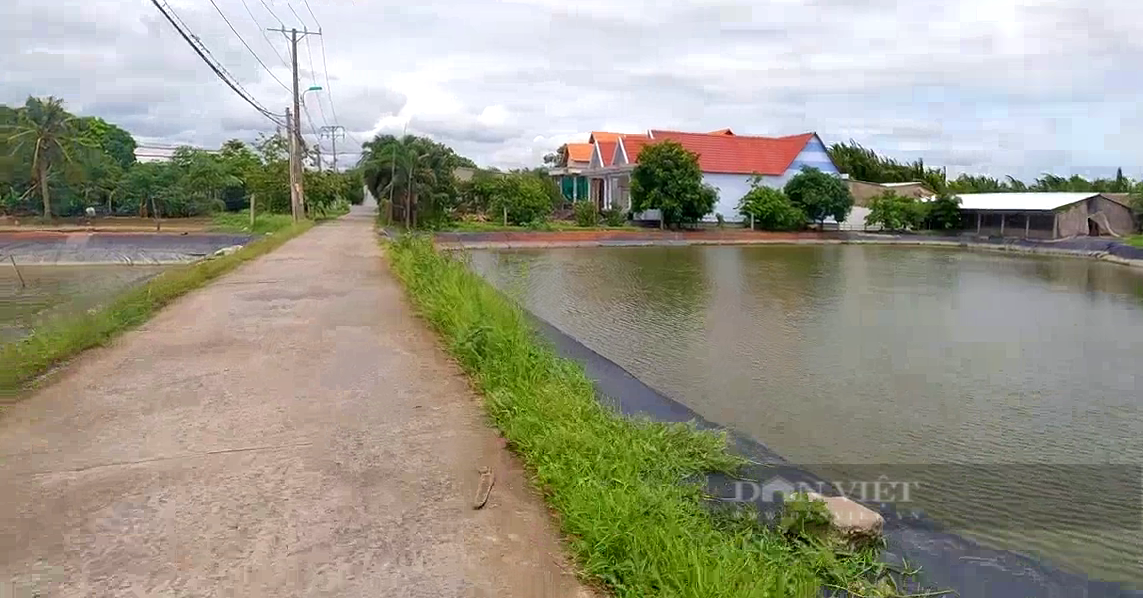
{"x": 397, "y": 166}
{"x": 50, "y": 129}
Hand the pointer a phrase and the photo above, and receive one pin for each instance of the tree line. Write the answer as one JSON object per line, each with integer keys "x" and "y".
{"x": 56, "y": 164}
{"x": 415, "y": 180}
{"x": 864, "y": 164}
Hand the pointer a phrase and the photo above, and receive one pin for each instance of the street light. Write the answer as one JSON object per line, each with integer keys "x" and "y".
{"x": 311, "y": 88}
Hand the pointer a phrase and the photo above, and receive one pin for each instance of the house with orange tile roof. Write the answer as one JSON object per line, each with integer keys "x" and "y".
{"x": 569, "y": 177}
{"x": 728, "y": 163}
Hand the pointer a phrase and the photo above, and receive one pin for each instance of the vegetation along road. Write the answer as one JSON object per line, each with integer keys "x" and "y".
{"x": 291, "y": 429}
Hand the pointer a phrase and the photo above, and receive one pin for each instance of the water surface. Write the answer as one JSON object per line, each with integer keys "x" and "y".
{"x": 878, "y": 354}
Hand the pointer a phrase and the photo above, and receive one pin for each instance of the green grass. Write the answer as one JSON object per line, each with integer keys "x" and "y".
{"x": 62, "y": 337}
{"x": 633, "y": 523}
{"x": 1137, "y": 240}
{"x": 239, "y": 222}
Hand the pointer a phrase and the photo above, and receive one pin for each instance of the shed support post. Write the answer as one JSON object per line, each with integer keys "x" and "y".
{"x": 979, "y": 220}
{"x": 1027, "y": 224}
{"x": 1003, "y": 217}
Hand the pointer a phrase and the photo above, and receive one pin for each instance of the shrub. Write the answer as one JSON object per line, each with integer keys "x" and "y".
{"x": 585, "y": 213}
{"x": 523, "y": 196}
{"x": 614, "y": 217}
{"x": 771, "y": 209}
{"x": 894, "y": 212}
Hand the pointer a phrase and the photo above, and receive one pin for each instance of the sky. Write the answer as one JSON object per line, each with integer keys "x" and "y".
{"x": 981, "y": 86}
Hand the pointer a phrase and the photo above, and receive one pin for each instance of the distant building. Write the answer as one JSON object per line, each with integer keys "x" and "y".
{"x": 863, "y": 191}
{"x": 728, "y": 163}
{"x": 1046, "y": 215}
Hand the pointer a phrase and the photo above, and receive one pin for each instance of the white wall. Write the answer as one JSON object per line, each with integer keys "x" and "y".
{"x": 731, "y": 187}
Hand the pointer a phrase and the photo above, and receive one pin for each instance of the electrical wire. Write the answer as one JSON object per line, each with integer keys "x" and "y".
{"x": 271, "y": 11}
{"x": 262, "y": 30}
{"x": 248, "y": 48}
{"x": 313, "y": 79}
{"x": 218, "y": 69}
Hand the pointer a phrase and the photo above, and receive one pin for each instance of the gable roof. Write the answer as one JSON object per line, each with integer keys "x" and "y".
{"x": 603, "y": 136}
{"x": 606, "y": 152}
{"x": 721, "y": 132}
{"x": 579, "y": 152}
{"x": 633, "y": 145}
{"x": 1020, "y": 202}
{"x": 740, "y": 154}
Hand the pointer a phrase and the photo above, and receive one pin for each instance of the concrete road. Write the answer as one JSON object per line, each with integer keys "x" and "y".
{"x": 290, "y": 430}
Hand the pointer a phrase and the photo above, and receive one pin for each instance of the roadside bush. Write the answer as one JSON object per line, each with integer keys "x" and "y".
{"x": 771, "y": 209}
{"x": 585, "y": 213}
{"x": 522, "y": 196}
{"x": 614, "y": 217}
{"x": 894, "y": 212}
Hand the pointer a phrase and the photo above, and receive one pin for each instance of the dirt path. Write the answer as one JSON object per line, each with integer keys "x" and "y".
{"x": 290, "y": 430}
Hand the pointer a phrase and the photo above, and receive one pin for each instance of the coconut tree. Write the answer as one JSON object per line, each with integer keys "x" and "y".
{"x": 49, "y": 130}
{"x": 398, "y": 167}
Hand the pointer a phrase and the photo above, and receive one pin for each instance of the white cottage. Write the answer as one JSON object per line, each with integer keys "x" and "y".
{"x": 728, "y": 162}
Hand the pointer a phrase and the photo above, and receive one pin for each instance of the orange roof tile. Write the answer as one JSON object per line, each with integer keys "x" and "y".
{"x": 607, "y": 151}
{"x": 721, "y": 132}
{"x": 634, "y": 144}
{"x": 602, "y": 136}
{"x": 579, "y": 152}
{"x": 732, "y": 154}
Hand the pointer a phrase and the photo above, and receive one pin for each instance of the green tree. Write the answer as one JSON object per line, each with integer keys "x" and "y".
{"x": 894, "y": 212}
{"x": 416, "y": 171}
{"x": 50, "y": 131}
{"x": 668, "y": 179}
{"x": 147, "y": 182}
{"x": 557, "y": 158}
{"x": 117, "y": 143}
{"x": 819, "y": 195}
{"x": 770, "y": 208}
{"x": 943, "y": 213}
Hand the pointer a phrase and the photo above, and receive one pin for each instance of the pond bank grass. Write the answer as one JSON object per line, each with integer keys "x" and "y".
{"x": 60, "y": 338}
{"x": 619, "y": 486}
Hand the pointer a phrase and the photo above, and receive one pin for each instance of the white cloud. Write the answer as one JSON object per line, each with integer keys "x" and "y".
{"x": 992, "y": 86}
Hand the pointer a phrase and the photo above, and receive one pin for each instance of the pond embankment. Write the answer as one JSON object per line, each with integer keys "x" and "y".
{"x": 1101, "y": 248}
{"x": 91, "y": 248}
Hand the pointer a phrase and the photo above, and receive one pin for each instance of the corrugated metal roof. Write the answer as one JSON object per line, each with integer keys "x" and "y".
{"x": 1019, "y": 202}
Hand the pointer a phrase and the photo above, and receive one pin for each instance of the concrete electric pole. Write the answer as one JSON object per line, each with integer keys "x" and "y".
{"x": 333, "y": 132}
{"x": 297, "y": 192}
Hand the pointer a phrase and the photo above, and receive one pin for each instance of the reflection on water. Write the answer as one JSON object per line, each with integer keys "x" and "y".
{"x": 876, "y": 355}
{"x": 59, "y": 288}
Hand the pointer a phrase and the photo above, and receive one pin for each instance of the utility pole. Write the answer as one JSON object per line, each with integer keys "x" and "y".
{"x": 295, "y": 123}
{"x": 292, "y": 144}
{"x": 332, "y": 131}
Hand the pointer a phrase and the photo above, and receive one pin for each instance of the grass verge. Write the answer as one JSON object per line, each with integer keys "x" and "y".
{"x": 62, "y": 337}
{"x": 1136, "y": 240}
{"x": 633, "y": 522}
{"x": 239, "y": 222}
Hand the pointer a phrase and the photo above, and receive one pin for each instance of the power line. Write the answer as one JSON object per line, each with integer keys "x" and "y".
{"x": 271, "y": 11}
{"x": 313, "y": 78}
{"x": 218, "y": 69}
{"x": 312, "y": 13}
{"x": 248, "y": 48}
{"x": 264, "y": 36}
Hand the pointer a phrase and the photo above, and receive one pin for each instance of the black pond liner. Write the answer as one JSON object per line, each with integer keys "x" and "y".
{"x": 125, "y": 248}
{"x": 947, "y": 561}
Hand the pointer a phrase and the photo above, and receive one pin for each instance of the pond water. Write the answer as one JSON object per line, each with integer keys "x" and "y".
{"x": 881, "y": 355}
{"x": 50, "y": 289}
